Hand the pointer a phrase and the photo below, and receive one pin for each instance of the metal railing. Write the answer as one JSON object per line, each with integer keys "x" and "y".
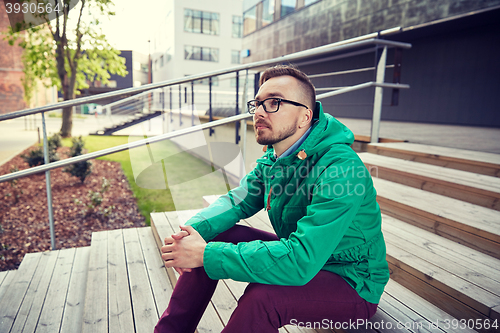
{"x": 349, "y": 47}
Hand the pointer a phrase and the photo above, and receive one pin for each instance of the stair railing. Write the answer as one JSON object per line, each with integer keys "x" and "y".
{"x": 346, "y": 47}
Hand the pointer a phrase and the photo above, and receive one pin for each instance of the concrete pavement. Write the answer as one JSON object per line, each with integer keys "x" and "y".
{"x": 18, "y": 134}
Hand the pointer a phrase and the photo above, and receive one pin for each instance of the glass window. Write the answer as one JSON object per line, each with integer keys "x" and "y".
{"x": 235, "y": 57}
{"x": 287, "y": 7}
{"x": 237, "y": 27}
{"x": 201, "y": 53}
{"x": 308, "y": 2}
{"x": 161, "y": 62}
{"x": 267, "y": 12}
{"x": 201, "y": 22}
{"x": 249, "y": 21}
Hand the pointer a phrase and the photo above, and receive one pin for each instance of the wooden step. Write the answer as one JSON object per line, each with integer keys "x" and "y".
{"x": 472, "y": 225}
{"x": 46, "y": 294}
{"x": 127, "y": 287}
{"x": 228, "y": 291}
{"x": 467, "y": 160}
{"x": 398, "y": 304}
{"x": 463, "y": 282}
{"x": 466, "y": 186}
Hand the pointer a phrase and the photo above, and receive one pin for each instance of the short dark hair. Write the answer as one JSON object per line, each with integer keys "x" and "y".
{"x": 305, "y": 82}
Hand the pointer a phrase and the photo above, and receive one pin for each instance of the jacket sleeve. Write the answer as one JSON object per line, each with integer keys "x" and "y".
{"x": 239, "y": 203}
{"x": 296, "y": 260}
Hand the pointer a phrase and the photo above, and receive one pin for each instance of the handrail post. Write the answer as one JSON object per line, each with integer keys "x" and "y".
{"x": 237, "y": 110}
{"x": 180, "y": 106}
{"x": 47, "y": 183}
{"x": 170, "y": 104}
{"x": 244, "y": 125}
{"x": 210, "y": 117}
{"x": 377, "y": 101}
{"x": 192, "y": 103}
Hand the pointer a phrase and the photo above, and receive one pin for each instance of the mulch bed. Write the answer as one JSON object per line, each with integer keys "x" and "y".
{"x": 24, "y": 223}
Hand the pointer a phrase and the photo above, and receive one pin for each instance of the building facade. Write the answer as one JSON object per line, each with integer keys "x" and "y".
{"x": 197, "y": 37}
{"x": 452, "y": 67}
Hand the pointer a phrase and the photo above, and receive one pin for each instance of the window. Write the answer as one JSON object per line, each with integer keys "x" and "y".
{"x": 249, "y": 21}
{"x": 235, "y": 57}
{"x": 267, "y": 12}
{"x": 237, "y": 27}
{"x": 156, "y": 64}
{"x": 145, "y": 68}
{"x": 308, "y": 2}
{"x": 201, "y": 53}
{"x": 287, "y": 7}
{"x": 161, "y": 62}
{"x": 201, "y": 22}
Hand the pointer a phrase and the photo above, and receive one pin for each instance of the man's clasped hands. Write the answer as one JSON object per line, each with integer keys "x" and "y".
{"x": 184, "y": 250}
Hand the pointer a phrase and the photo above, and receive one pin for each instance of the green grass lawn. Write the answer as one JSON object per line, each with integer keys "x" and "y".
{"x": 146, "y": 169}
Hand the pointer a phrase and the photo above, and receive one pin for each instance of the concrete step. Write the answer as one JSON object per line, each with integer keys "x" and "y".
{"x": 462, "y": 185}
{"x": 468, "y": 224}
{"x": 467, "y": 160}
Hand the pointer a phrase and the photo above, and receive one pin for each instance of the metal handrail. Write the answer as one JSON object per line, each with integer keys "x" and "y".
{"x": 330, "y": 48}
{"x": 139, "y": 143}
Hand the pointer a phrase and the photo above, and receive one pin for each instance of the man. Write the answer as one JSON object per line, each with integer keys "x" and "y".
{"x": 327, "y": 259}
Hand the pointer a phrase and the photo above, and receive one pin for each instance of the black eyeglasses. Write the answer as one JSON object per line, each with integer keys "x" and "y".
{"x": 270, "y": 105}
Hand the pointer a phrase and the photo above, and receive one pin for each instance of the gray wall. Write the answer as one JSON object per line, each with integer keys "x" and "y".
{"x": 454, "y": 78}
{"x": 329, "y": 21}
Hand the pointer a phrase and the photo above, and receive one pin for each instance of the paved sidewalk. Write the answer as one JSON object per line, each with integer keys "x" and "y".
{"x": 17, "y": 135}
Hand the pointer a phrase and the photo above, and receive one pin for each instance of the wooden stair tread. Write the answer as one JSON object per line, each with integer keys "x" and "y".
{"x": 470, "y": 265}
{"x": 455, "y": 280}
{"x": 46, "y": 296}
{"x": 127, "y": 285}
{"x": 445, "y": 153}
{"x": 398, "y": 304}
{"x": 473, "y": 218}
{"x": 457, "y": 178}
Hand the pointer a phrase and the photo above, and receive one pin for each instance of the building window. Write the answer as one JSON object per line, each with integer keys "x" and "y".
{"x": 287, "y": 7}
{"x": 201, "y": 22}
{"x": 145, "y": 68}
{"x": 162, "y": 63}
{"x": 249, "y": 21}
{"x": 237, "y": 27}
{"x": 235, "y": 57}
{"x": 267, "y": 12}
{"x": 308, "y": 2}
{"x": 201, "y": 53}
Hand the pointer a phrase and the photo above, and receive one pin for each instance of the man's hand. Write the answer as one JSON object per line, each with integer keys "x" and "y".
{"x": 184, "y": 250}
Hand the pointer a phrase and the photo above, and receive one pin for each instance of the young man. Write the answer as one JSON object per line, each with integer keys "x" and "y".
{"x": 327, "y": 259}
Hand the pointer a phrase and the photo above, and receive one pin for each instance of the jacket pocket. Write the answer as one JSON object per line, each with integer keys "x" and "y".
{"x": 264, "y": 256}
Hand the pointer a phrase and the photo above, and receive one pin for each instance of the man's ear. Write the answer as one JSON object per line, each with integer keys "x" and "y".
{"x": 306, "y": 118}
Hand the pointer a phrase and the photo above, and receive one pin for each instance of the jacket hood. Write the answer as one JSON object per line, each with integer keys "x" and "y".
{"x": 326, "y": 131}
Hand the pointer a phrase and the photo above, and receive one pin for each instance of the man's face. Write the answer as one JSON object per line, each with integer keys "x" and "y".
{"x": 271, "y": 128}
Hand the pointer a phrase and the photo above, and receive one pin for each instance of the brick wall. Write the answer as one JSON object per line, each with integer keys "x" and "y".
{"x": 11, "y": 70}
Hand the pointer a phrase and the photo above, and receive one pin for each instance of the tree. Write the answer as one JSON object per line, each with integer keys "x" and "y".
{"x": 69, "y": 50}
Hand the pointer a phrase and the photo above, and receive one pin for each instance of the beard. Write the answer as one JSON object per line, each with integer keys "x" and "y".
{"x": 267, "y": 137}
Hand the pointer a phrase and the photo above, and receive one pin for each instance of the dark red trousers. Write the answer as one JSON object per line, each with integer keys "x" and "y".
{"x": 326, "y": 299}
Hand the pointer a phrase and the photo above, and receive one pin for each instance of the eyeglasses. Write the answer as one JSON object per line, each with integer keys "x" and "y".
{"x": 270, "y": 105}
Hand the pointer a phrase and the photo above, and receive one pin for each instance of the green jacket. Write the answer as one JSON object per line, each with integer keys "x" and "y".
{"x": 323, "y": 209}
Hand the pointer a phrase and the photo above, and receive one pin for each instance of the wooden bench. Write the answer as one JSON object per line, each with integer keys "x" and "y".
{"x": 460, "y": 159}
{"x": 466, "y": 186}
{"x": 466, "y": 223}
